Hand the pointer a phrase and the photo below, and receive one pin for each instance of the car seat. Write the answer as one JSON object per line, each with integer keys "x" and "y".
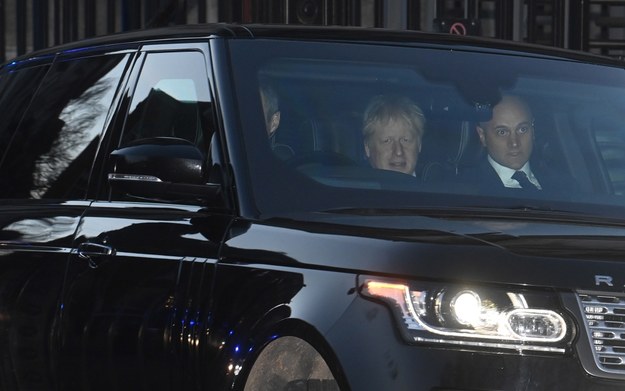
{"x": 448, "y": 147}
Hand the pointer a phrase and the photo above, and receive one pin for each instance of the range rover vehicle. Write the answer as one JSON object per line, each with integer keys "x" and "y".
{"x": 159, "y": 232}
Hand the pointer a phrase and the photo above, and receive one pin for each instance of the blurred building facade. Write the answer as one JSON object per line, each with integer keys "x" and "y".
{"x": 590, "y": 25}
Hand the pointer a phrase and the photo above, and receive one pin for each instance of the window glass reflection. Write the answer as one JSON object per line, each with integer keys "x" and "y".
{"x": 171, "y": 99}
{"x": 559, "y": 124}
{"x": 52, "y": 153}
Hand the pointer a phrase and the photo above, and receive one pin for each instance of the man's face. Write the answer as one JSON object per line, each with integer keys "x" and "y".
{"x": 395, "y": 146}
{"x": 509, "y": 135}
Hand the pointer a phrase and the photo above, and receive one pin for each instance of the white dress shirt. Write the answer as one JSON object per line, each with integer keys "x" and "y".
{"x": 505, "y": 174}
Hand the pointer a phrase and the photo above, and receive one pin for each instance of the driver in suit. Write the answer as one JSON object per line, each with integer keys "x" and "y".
{"x": 508, "y": 138}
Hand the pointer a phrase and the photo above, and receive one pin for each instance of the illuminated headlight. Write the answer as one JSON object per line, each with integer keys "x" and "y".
{"x": 484, "y": 317}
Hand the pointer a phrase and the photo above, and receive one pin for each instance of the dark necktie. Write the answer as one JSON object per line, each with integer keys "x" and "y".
{"x": 523, "y": 181}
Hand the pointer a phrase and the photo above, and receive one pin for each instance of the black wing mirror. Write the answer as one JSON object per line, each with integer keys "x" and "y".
{"x": 161, "y": 168}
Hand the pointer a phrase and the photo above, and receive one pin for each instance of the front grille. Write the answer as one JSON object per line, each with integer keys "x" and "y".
{"x": 604, "y": 315}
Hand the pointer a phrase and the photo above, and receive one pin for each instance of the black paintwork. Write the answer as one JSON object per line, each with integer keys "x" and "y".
{"x": 150, "y": 295}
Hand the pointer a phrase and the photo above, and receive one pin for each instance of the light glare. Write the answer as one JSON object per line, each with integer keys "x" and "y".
{"x": 486, "y": 319}
{"x": 467, "y": 307}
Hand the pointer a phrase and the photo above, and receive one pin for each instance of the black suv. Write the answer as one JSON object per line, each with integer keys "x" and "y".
{"x": 230, "y": 207}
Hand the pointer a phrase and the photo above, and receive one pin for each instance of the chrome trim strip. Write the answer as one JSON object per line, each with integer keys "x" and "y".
{"x": 603, "y": 316}
{"x": 133, "y": 177}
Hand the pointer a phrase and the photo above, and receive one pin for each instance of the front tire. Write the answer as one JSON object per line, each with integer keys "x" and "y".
{"x": 290, "y": 364}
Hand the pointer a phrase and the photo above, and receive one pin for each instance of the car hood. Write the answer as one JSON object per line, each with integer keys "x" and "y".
{"x": 537, "y": 251}
{"x": 533, "y": 234}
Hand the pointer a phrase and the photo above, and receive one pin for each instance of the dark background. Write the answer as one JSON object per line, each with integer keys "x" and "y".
{"x": 589, "y": 25}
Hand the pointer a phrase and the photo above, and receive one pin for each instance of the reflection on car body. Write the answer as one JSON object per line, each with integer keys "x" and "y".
{"x": 160, "y": 231}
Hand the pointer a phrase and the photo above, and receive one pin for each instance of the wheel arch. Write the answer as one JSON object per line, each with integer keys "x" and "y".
{"x": 289, "y": 351}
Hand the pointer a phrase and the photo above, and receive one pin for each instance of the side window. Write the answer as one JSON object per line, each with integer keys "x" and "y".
{"x": 16, "y": 90}
{"x": 609, "y": 137}
{"x": 171, "y": 99}
{"x": 51, "y": 154}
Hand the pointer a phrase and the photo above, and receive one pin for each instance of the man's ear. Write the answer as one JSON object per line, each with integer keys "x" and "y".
{"x": 480, "y": 133}
{"x": 367, "y": 150}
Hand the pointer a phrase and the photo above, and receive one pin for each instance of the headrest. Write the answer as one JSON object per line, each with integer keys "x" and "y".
{"x": 447, "y": 146}
{"x": 309, "y": 135}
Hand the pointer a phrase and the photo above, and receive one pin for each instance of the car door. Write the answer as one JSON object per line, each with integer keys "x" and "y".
{"x": 53, "y": 119}
{"x": 138, "y": 282}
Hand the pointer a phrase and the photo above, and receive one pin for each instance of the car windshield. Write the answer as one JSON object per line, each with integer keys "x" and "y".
{"x": 371, "y": 127}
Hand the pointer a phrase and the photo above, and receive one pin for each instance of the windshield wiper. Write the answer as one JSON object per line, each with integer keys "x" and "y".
{"x": 438, "y": 210}
{"x": 519, "y": 211}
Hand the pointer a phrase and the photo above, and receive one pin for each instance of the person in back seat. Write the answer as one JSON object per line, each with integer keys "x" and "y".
{"x": 393, "y": 127}
{"x": 271, "y": 110}
{"x": 271, "y": 107}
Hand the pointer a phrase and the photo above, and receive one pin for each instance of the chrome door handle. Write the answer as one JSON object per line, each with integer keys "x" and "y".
{"x": 92, "y": 251}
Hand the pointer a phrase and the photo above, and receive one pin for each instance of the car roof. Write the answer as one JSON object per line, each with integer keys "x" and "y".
{"x": 318, "y": 33}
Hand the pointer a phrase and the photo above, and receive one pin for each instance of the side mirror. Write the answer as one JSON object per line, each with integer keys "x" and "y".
{"x": 161, "y": 168}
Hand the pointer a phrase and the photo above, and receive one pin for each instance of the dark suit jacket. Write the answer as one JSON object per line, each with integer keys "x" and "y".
{"x": 484, "y": 178}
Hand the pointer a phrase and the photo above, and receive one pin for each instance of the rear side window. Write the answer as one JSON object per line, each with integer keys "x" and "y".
{"x": 16, "y": 91}
{"x": 51, "y": 154}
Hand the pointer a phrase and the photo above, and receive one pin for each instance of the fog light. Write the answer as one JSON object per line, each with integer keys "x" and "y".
{"x": 536, "y": 325}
